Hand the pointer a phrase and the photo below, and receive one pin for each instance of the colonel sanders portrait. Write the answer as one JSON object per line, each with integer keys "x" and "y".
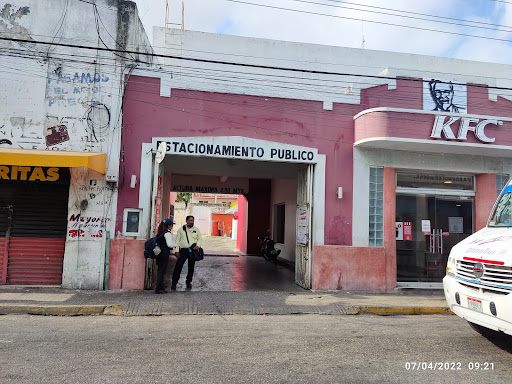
{"x": 442, "y": 94}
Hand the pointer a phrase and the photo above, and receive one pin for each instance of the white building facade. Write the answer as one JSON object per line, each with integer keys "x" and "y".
{"x": 60, "y": 135}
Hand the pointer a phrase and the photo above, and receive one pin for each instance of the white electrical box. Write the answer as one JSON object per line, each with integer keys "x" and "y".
{"x": 111, "y": 178}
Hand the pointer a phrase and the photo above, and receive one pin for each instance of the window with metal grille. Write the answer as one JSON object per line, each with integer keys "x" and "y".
{"x": 501, "y": 181}
{"x": 376, "y": 208}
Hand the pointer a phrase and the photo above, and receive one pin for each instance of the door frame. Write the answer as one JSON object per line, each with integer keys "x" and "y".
{"x": 454, "y": 194}
{"x": 316, "y": 217}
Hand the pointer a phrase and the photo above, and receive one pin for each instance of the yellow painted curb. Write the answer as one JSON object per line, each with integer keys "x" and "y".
{"x": 116, "y": 310}
{"x": 386, "y": 311}
{"x": 52, "y": 310}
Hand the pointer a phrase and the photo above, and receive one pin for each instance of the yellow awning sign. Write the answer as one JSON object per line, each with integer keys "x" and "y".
{"x": 33, "y": 157}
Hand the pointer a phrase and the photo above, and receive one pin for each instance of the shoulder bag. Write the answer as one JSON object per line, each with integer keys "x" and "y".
{"x": 194, "y": 254}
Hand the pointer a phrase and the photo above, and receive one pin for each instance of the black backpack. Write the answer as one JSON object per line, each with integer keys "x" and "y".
{"x": 151, "y": 247}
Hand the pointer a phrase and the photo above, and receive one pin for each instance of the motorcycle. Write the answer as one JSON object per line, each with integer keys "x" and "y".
{"x": 267, "y": 248}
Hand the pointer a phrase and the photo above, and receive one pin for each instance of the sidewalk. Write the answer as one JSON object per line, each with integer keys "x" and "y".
{"x": 58, "y": 301}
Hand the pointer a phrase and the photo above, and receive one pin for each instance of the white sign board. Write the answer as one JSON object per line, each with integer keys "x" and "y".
{"x": 236, "y": 147}
{"x": 302, "y": 224}
{"x": 399, "y": 230}
{"x": 209, "y": 184}
{"x": 425, "y": 226}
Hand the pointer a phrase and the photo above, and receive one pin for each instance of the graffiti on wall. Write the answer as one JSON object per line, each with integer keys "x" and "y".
{"x": 9, "y": 22}
{"x": 24, "y": 130}
{"x": 57, "y": 135}
{"x": 78, "y": 78}
{"x": 86, "y": 226}
{"x": 97, "y": 118}
{"x": 86, "y": 132}
{"x": 3, "y": 133}
{"x": 67, "y": 90}
{"x": 59, "y": 130}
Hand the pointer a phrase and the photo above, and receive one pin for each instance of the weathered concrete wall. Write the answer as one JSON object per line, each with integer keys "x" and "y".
{"x": 485, "y": 196}
{"x": 348, "y": 268}
{"x": 69, "y": 99}
{"x": 241, "y": 234}
{"x": 389, "y": 196}
{"x": 88, "y": 220}
{"x": 127, "y": 264}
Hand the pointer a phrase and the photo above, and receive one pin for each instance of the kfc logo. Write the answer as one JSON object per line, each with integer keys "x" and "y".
{"x": 467, "y": 124}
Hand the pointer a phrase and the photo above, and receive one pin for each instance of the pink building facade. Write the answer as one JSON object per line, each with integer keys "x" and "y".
{"x": 369, "y": 189}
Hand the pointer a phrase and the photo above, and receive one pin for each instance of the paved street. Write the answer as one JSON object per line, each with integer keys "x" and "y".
{"x": 247, "y": 349}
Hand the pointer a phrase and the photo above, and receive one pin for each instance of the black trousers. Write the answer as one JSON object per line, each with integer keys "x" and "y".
{"x": 161, "y": 262}
{"x": 179, "y": 266}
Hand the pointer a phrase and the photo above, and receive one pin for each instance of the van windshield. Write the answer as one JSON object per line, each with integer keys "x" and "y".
{"x": 502, "y": 216}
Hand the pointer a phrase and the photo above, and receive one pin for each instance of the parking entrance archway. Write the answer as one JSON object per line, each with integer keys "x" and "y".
{"x": 268, "y": 176}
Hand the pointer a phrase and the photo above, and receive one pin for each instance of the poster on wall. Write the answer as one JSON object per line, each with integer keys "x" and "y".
{"x": 444, "y": 96}
{"x": 407, "y": 229}
{"x": 425, "y": 227}
{"x": 399, "y": 230}
{"x": 158, "y": 202}
{"x": 455, "y": 224}
{"x": 302, "y": 224}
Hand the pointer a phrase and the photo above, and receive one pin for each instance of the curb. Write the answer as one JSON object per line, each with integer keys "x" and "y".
{"x": 52, "y": 310}
{"x": 117, "y": 310}
{"x": 390, "y": 311}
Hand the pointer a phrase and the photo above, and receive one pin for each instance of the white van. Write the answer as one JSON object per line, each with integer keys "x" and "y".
{"x": 478, "y": 281}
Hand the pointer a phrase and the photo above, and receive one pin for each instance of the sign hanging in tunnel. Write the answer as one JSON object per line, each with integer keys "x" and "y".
{"x": 209, "y": 184}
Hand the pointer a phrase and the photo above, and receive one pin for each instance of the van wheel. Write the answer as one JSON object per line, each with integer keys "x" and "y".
{"x": 489, "y": 334}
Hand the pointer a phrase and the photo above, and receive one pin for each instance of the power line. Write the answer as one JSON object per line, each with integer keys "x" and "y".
{"x": 282, "y": 85}
{"x": 249, "y": 78}
{"x": 493, "y": 27}
{"x": 369, "y": 21}
{"x": 246, "y": 65}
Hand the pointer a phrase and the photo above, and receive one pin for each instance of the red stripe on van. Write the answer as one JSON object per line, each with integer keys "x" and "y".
{"x": 484, "y": 261}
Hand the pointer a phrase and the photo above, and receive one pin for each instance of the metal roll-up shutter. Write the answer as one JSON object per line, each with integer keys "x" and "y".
{"x": 38, "y": 230}
{"x": 5, "y": 225}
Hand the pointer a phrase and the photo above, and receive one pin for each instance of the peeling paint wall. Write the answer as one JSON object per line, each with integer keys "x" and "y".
{"x": 59, "y": 98}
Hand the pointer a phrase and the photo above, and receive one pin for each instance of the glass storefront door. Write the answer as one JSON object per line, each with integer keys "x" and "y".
{"x": 428, "y": 226}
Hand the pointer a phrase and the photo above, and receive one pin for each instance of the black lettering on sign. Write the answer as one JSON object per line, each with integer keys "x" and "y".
{"x": 239, "y": 151}
{"x": 182, "y": 188}
{"x": 203, "y": 189}
{"x": 226, "y": 150}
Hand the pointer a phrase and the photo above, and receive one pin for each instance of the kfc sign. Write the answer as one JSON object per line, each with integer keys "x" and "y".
{"x": 444, "y": 128}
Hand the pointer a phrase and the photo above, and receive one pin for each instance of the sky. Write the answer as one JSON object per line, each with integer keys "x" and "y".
{"x": 407, "y": 26}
